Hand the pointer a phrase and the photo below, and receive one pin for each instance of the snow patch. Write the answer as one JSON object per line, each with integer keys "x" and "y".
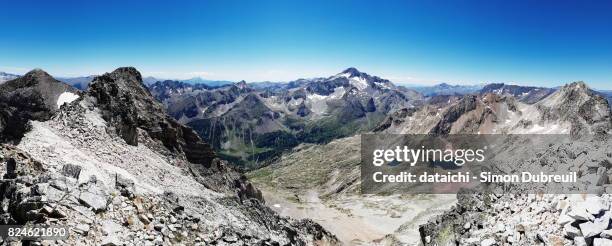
{"x": 359, "y": 82}
{"x": 338, "y": 93}
{"x": 318, "y": 103}
{"x": 66, "y": 97}
{"x": 383, "y": 85}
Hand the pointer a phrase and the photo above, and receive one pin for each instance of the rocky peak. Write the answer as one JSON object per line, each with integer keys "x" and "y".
{"x": 575, "y": 93}
{"x": 34, "y": 77}
{"x": 127, "y": 105}
{"x": 576, "y": 87}
{"x": 464, "y": 105}
{"x": 241, "y": 85}
{"x": 587, "y": 111}
{"x": 361, "y": 80}
{"x": 444, "y": 85}
{"x": 352, "y": 72}
{"x": 126, "y": 79}
{"x": 33, "y": 96}
{"x": 130, "y": 74}
{"x": 37, "y": 72}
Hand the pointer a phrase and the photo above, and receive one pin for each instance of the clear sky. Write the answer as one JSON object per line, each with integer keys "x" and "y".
{"x": 526, "y": 42}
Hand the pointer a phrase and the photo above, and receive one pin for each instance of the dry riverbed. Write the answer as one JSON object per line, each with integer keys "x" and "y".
{"x": 362, "y": 220}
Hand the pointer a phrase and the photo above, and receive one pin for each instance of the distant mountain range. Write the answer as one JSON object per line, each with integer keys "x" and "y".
{"x": 7, "y": 76}
{"x": 82, "y": 82}
{"x": 607, "y": 94}
{"x": 446, "y": 89}
{"x": 250, "y": 123}
{"x": 527, "y": 94}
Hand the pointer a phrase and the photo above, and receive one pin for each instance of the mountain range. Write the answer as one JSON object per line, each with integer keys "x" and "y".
{"x": 82, "y": 82}
{"x": 122, "y": 161}
{"x": 334, "y": 175}
{"x": 7, "y": 76}
{"x": 446, "y": 89}
{"x": 251, "y": 124}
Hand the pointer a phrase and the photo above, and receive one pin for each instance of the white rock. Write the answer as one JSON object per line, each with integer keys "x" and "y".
{"x": 561, "y": 205}
{"x": 595, "y": 205}
{"x": 580, "y": 213}
{"x": 579, "y": 241}
{"x": 470, "y": 241}
{"x": 570, "y": 231}
{"x": 564, "y": 219}
{"x": 488, "y": 242}
{"x": 542, "y": 237}
{"x": 82, "y": 229}
{"x": 606, "y": 234}
{"x": 602, "y": 242}
{"x": 591, "y": 229}
{"x": 501, "y": 227}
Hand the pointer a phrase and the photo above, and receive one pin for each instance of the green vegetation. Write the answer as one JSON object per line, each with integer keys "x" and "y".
{"x": 236, "y": 140}
{"x": 334, "y": 127}
{"x": 446, "y": 235}
{"x": 280, "y": 140}
{"x": 261, "y": 175}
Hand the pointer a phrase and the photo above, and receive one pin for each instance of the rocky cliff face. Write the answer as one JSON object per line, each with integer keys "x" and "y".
{"x": 128, "y": 105}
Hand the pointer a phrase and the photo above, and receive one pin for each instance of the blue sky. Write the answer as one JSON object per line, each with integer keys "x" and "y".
{"x": 526, "y": 42}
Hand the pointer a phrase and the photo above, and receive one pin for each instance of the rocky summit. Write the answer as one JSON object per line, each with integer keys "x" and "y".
{"x": 34, "y": 96}
{"x": 128, "y": 106}
{"x": 115, "y": 169}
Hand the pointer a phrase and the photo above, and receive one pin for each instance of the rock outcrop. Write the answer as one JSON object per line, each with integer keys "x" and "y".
{"x": 466, "y": 104}
{"x": 127, "y": 105}
{"x": 587, "y": 111}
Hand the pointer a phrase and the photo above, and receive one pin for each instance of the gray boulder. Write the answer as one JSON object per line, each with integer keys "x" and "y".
{"x": 94, "y": 195}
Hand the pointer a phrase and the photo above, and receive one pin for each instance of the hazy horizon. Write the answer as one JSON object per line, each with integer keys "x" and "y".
{"x": 407, "y": 84}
